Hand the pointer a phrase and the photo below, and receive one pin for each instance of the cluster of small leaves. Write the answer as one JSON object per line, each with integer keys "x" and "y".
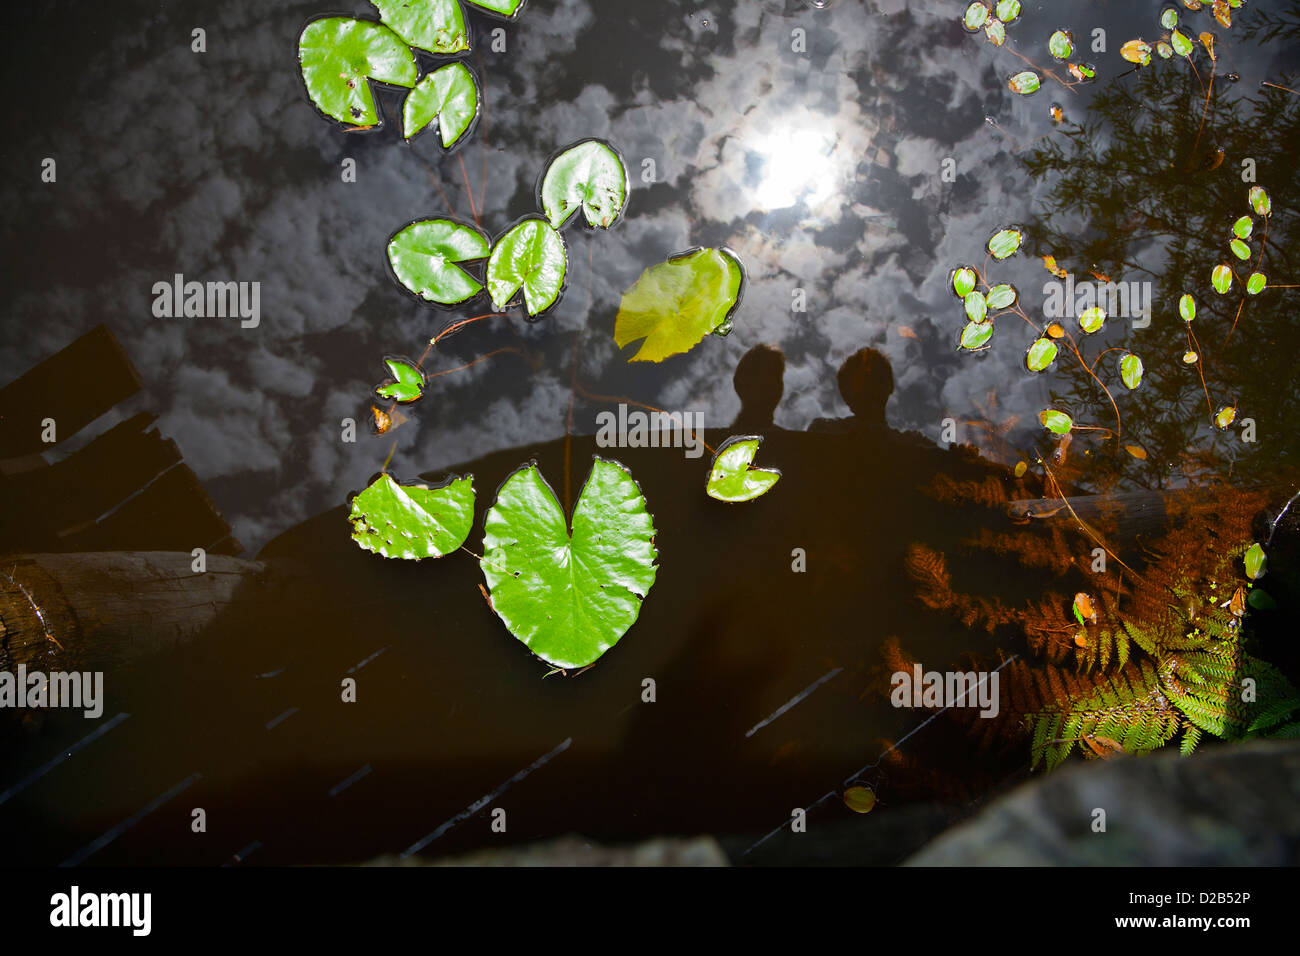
{"x": 993, "y": 18}
{"x": 341, "y": 57}
{"x": 1243, "y": 229}
{"x": 981, "y": 306}
{"x": 1175, "y": 40}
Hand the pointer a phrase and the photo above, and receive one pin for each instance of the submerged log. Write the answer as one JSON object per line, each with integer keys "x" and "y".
{"x": 97, "y": 610}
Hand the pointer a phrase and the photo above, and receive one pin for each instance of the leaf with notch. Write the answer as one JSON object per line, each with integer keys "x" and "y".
{"x": 530, "y": 256}
{"x": 413, "y": 521}
{"x": 425, "y": 257}
{"x": 437, "y": 26}
{"x": 450, "y": 94}
{"x": 339, "y": 56}
{"x": 589, "y": 176}
{"x": 732, "y": 477}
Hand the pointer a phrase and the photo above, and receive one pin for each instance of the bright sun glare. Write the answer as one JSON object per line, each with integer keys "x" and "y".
{"x": 800, "y": 161}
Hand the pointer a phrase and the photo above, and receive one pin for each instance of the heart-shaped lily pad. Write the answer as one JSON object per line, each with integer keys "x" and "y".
{"x": 424, "y": 257}
{"x": 407, "y": 384}
{"x": 569, "y": 597}
{"x": 589, "y": 176}
{"x": 437, "y": 26}
{"x": 450, "y": 94}
{"x": 676, "y": 303}
{"x": 413, "y": 521}
{"x": 732, "y": 479}
{"x": 339, "y": 56}
{"x": 530, "y": 256}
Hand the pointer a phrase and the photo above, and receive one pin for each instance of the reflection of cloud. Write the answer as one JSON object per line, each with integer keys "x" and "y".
{"x": 821, "y": 169}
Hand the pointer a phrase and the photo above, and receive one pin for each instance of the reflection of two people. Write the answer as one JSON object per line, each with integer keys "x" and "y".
{"x": 866, "y": 381}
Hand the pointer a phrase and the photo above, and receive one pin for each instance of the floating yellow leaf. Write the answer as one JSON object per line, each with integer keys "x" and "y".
{"x": 1021, "y": 468}
{"x": 1226, "y": 416}
{"x": 1136, "y": 51}
{"x": 1049, "y": 263}
{"x": 1190, "y": 358}
{"x": 1137, "y": 451}
{"x": 1083, "y": 609}
{"x": 1055, "y": 330}
{"x": 859, "y": 799}
{"x": 1223, "y": 13}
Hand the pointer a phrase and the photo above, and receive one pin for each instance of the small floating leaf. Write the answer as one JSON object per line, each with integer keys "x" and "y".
{"x": 1007, "y": 10}
{"x": 1137, "y": 451}
{"x": 437, "y": 26}
{"x": 530, "y": 256}
{"x": 1049, "y": 263}
{"x": 1256, "y": 283}
{"x": 1222, "y": 13}
{"x": 1130, "y": 370}
{"x": 424, "y": 257}
{"x": 963, "y": 281}
{"x": 505, "y": 8}
{"x": 569, "y": 597}
{"x": 1082, "y": 71}
{"x": 339, "y": 56}
{"x": 1004, "y": 243}
{"x": 1239, "y": 249}
{"x": 859, "y": 799}
{"x": 1221, "y": 278}
{"x": 1164, "y": 49}
{"x": 1061, "y": 44}
{"x": 1169, "y": 18}
{"x": 1259, "y": 201}
{"x": 976, "y": 306}
{"x": 1040, "y": 355}
{"x": 1024, "y": 82}
{"x": 1136, "y": 51}
{"x": 1055, "y": 421}
{"x": 1091, "y": 320}
{"x": 675, "y": 304}
{"x": 1243, "y": 227}
{"x": 976, "y": 335}
{"x": 1021, "y": 468}
{"x": 732, "y": 479}
{"x": 1056, "y": 330}
{"x": 589, "y": 176}
{"x": 1225, "y": 416}
{"x": 450, "y": 94}
{"x": 996, "y": 32}
{"x": 1255, "y": 561}
{"x": 1261, "y": 601}
{"x": 1001, "y": 296}
{"x": 413, "y": 521}
{"x": 1084, "y": 612}
{"x": 1181, "y": 43}
{"x": 1187, "y": 307}
{"x": 1190, "y": 358}
{"x": 975, "y": 17}
{"x": 407, "y": 384}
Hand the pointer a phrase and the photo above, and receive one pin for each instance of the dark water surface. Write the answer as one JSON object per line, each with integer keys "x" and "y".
{"x": 822, "y": 169}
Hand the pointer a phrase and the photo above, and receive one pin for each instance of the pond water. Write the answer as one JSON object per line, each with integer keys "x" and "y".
{"x": 852, "y": 154}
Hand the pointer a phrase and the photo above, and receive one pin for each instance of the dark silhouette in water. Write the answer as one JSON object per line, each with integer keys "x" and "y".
{"x": 866, "y": 381}
{"x": 758, "y": 383}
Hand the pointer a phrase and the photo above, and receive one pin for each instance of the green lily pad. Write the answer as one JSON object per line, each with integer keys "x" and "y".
{"x": 504, "y": 8}
{"x": 1256, "y": 283}
{"x": 424, "y": 257}
{"x": 1243, "y": 227}
{"x": 1187, "y": 307}
{"x": 976, "y": 335}
{"x": 437, "y": 26}
{"x": 569, "y": 597}
{"x": 1025, "y": 82}
{"x": 975, "y": 17}
{"x": 413, "y": 521}
{"x": 1004, "y": 243}
{"x": 996, "y": 31}
{"x": 1239, "y": 249}
{"x": 732, "y": 479}
{"x": 1169, "y": 18}
{"x": 674, "y": 304}
{"x": 339, "y": 56}
{"x": 963, "y": 281}
{"x": 1221, "y": 278}
{"x": 1040, "y": 355}
{"x": 1007, "y": 10}
{"x": 589, "y": 176}
{"x": 1259, "y": 201}
{"x": 1061, "y": 44}
{"x": 860, "y": 799}
{"x": 530, "y": 256}
{"x": 1255, "y": 561}
{"x": 1091, "y": 320}
{"x": 1261, "y": 601}
{"x": 1164, "y": 49}
{"x": 407, "y": 384}
{"x": 1181, "y": 43}
{"x": 1055, "y": 421}
{"x": 976, "y": 306}
{"x": 449, "y": 94}
{"x": 1130, "y": 370}
{"x": 1001, "y": 296}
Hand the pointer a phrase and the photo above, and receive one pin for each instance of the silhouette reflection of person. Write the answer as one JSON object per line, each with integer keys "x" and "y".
{"x": 866, "y": 381}
{"x": 759, "y": 383}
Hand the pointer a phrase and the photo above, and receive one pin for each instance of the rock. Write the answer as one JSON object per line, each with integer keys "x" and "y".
{"x": 1232, "y": 805}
